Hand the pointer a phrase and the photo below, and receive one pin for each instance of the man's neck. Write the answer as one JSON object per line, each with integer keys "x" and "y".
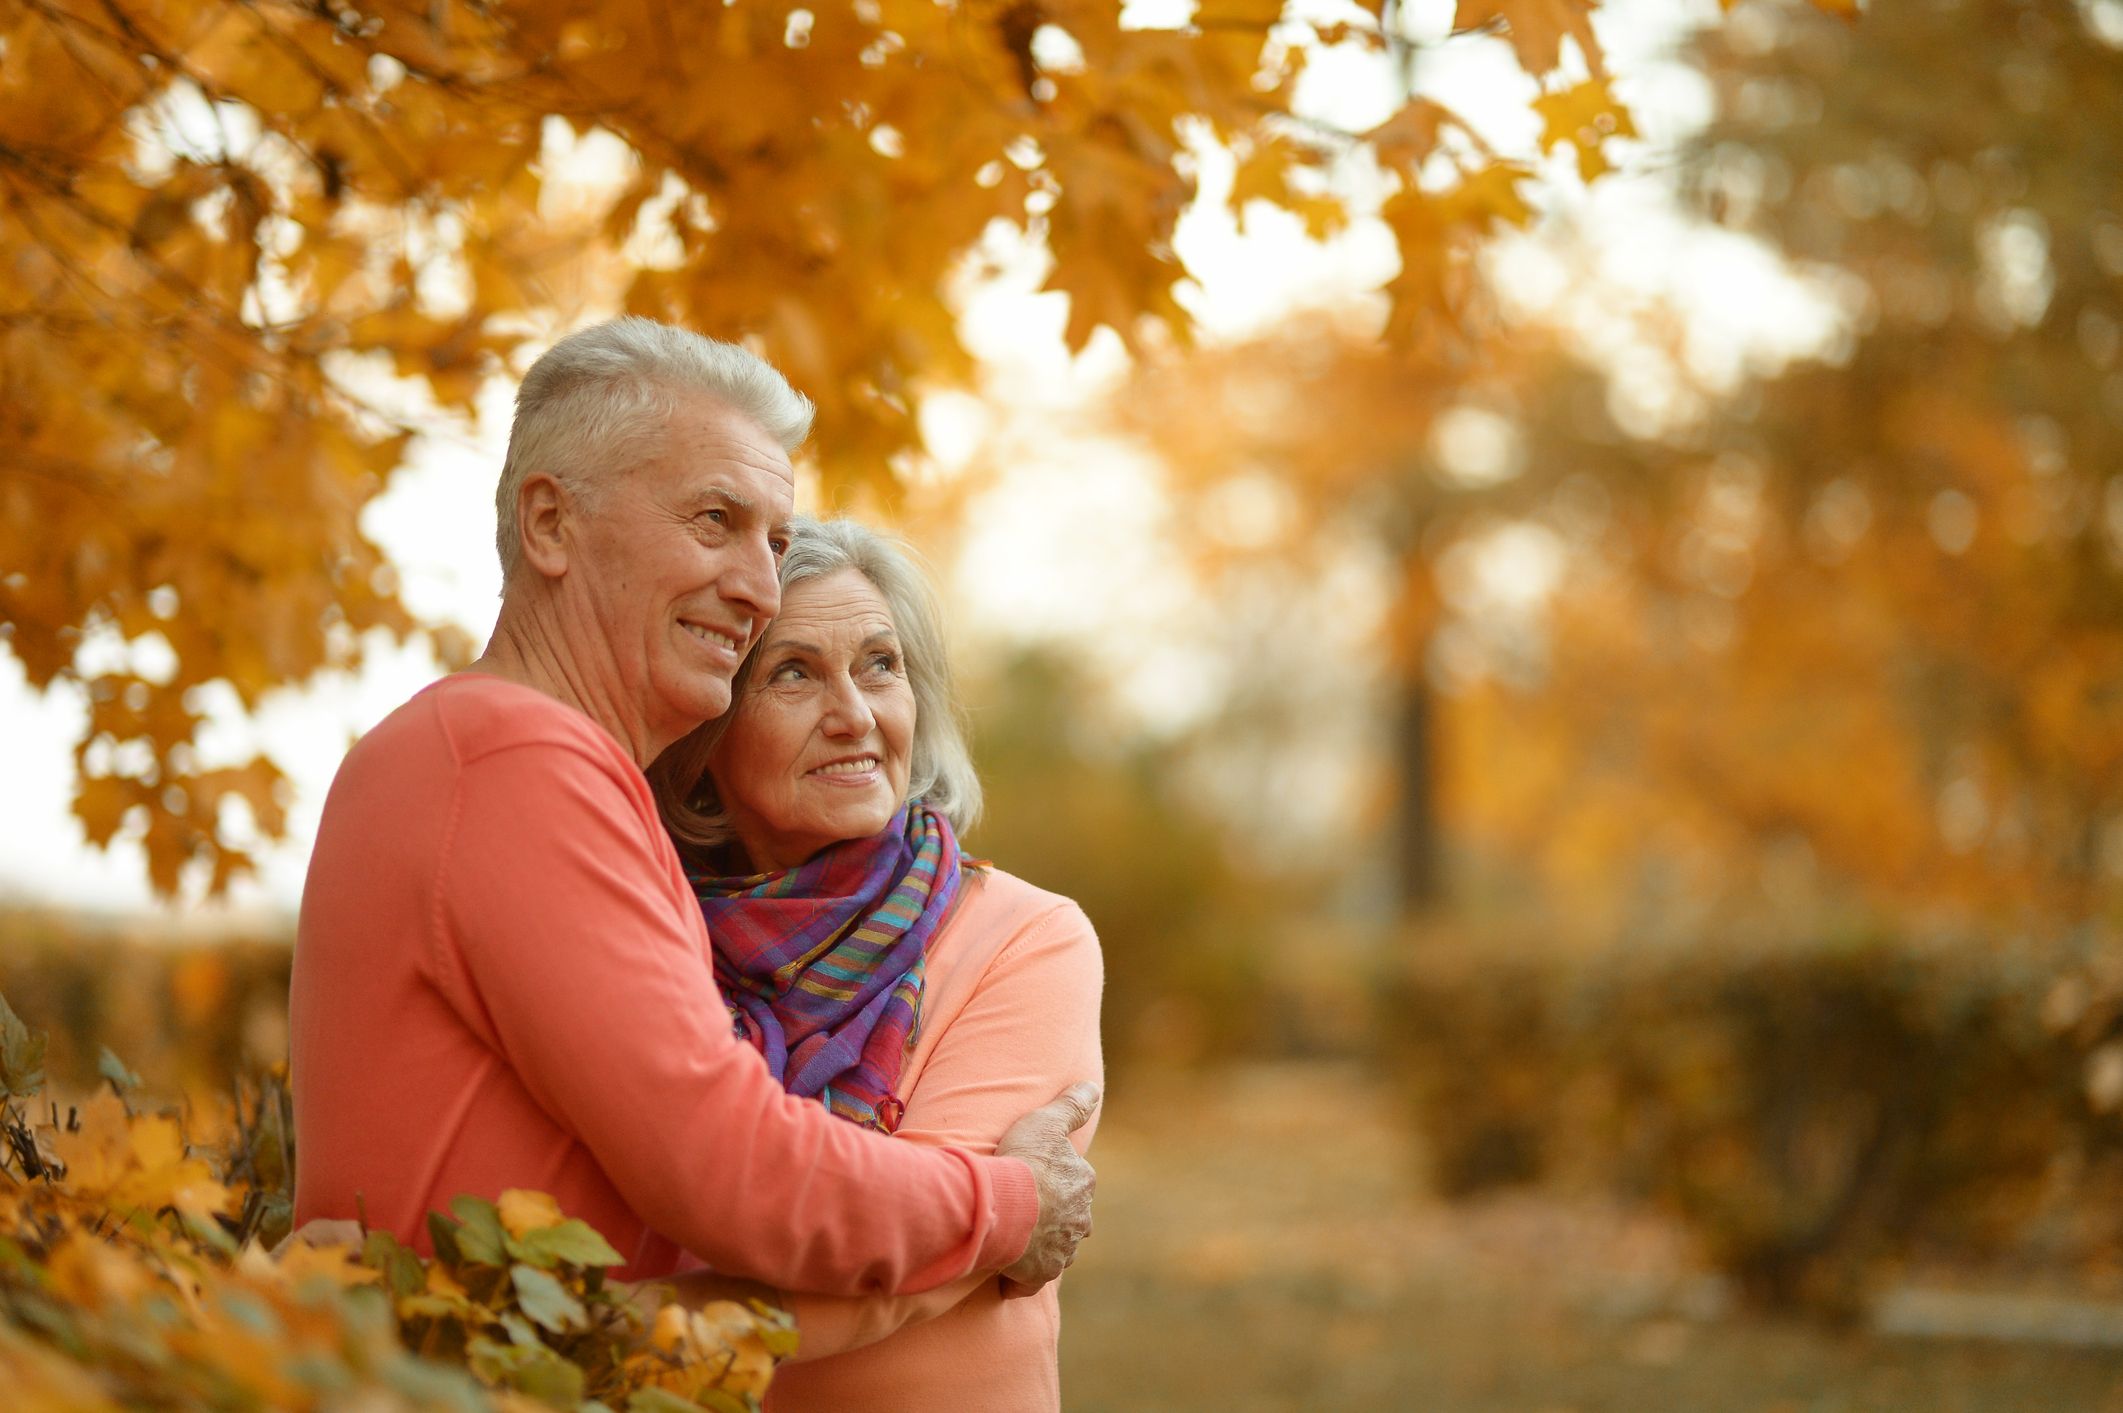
{"x": 531, "y": 648}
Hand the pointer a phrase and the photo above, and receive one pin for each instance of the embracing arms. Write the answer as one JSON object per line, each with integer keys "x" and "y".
{"x": 564, "y": 937}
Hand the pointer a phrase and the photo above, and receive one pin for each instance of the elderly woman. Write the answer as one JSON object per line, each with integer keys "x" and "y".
{"x": 906, "y": 987}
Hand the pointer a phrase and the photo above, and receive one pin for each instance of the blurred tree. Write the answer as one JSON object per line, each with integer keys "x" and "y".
{"x": 1182, "y": 926}
{"x": 1344, "y": 449}
{"x": 1874, "y": 646}
{"x": 215, "y": 217}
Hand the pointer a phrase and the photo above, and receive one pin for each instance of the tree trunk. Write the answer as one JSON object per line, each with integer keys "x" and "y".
{"x": 1417, "y": 870}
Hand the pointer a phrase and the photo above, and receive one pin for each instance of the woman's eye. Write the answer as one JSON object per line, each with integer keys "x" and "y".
{"x": 884, "y": 662}
{"x": 788, "y": 672}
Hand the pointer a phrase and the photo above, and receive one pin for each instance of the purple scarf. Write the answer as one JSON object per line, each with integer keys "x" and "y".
{"x": 822, "y": 964}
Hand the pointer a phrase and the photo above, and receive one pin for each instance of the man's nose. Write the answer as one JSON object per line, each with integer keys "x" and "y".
{"x": 754, "y": 582}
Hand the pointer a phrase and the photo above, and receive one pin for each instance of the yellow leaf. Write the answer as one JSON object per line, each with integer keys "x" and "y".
{"x": 338, "y": 1264}
{"x": 1584, "y": 116}
{"x": 523, "y": 1211}
{"x": 1405, "y": 141}
{"x": 89, "y": 1270}
{"x": 99, "y": 1153}
{"x": 1489, "y": 198}
{"x": 1537, "y": 29}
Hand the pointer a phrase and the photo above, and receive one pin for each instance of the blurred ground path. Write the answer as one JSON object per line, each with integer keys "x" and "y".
{"x": 1262, "y": 1245}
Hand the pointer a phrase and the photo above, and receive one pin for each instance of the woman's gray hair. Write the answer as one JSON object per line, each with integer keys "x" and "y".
{"x": 941, "y": 773}
{"x": 597, "y": 401}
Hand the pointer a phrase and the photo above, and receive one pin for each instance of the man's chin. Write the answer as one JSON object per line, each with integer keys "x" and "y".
{"x": 701, "y": 705}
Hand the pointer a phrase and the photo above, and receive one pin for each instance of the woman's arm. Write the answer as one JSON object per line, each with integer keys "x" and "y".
{"x": 1030, "y": 1027}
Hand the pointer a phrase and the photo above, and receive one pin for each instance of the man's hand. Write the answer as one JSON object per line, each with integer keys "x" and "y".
{"x": 1041, "y": 1138}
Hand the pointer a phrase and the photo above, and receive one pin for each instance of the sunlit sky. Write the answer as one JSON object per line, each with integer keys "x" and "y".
{"x": 1033, "y": 566}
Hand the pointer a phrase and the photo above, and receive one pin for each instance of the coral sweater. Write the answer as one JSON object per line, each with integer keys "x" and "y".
{"x": 502, "y": 979}
{"x": 1009, "y": 1017}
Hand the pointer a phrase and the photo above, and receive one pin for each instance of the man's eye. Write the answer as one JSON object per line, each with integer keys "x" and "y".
{"x": 779, "y": 547}
{"x": 716, "y": 517}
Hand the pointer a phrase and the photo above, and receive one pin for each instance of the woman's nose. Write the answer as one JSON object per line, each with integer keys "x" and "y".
{"x": 848, "y": 711}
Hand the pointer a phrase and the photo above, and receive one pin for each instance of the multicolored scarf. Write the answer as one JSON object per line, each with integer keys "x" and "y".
{"x": 822, "y": 964}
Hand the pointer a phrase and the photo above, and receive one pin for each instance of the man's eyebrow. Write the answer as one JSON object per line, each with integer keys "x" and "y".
{"x": 727, "y": 497}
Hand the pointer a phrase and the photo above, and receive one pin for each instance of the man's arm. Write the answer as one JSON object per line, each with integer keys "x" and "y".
{"x": 558, "y": 938}
{"x": 1030, "y": 1028}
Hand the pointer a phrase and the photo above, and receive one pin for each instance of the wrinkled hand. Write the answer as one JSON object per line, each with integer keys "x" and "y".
{"x": 1065, "y": 1180}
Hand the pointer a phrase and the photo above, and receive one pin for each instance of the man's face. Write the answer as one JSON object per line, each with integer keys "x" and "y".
{"x": 679, "y": 562}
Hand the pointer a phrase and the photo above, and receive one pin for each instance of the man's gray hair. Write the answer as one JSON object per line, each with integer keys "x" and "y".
{"x": 597, "y": 402}
{"x": 941, "y": 774}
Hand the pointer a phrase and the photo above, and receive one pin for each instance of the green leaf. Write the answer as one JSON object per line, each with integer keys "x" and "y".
{"x": 519, "y": 1330}
{"x": 431, "y": 1385}
{"x": 575, "y": 1242}
{"x": 717, "y": 1400}
{"x": 442, "y": 1235}
{"x": 538, "y": 1372}
{"x": 21, "y": 1055}
{"x": 658, "y": 1400}
{"x": 480, "y": 1240}
{"x": 401, "y": 1267}
{"x": 113, "y": 1069}
{"x": 546, "y": 1300}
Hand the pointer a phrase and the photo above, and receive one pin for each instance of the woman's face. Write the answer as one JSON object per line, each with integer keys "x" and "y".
{"x": 819, "y": 745}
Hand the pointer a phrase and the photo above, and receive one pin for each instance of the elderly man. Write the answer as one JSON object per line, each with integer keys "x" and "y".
{"x": 502, "y": 978}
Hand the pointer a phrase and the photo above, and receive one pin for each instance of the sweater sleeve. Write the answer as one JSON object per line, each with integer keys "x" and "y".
{"x": 1029, "y": 1030}
{"x": 559, "y": 940}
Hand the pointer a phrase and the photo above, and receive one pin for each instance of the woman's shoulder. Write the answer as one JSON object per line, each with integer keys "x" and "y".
{"x": 1006, "y": 913}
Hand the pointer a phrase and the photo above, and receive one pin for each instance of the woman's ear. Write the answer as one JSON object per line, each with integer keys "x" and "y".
{"x": 543, "y": 507}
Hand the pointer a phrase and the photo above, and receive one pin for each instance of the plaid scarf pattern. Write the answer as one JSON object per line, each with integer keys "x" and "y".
{"x": 821, "y": 964}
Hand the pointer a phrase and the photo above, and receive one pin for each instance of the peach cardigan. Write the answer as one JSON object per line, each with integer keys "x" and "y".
{"x": 502, "y": 979}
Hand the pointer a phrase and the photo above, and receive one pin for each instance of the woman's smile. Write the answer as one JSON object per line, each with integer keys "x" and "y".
{"x": 854, "y": 771}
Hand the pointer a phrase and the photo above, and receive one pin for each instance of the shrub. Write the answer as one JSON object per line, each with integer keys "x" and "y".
{"x": 134, "y": 1273}
{"x": 1812, "y": 1113}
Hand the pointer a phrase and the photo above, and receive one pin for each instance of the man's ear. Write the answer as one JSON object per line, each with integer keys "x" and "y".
{"x": 543, "y": 510}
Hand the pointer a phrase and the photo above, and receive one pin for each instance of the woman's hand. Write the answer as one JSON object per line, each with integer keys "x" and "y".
{"x": 1066, "y": 1182}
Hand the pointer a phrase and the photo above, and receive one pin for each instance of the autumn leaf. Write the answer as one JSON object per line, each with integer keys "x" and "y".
{"x": 1537, "y": 29}
{"x": 21, "y": 1055}
{"x": 522, "y": 1212}
{"x": 335, "y": 1265}
{"x": 546, "y": 1300}
{"x": 478, "y": 1237}
{"x": 1405, "y": 141}
{"x": 1584, "y": 117}
{"x": 114, "y": 1069}
{"x": 573, "y": 1242}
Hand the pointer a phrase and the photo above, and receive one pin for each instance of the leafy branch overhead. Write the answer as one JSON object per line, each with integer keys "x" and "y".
{"x": 221, "y": 220}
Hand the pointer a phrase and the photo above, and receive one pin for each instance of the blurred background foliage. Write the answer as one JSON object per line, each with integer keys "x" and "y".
{"x": 1665, "y": 794}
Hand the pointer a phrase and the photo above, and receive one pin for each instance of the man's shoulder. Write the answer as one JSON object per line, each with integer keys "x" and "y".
{"x": 469, "y": 716}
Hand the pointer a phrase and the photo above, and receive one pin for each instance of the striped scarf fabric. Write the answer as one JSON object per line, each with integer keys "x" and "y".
{"x": 821, "y": 964}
